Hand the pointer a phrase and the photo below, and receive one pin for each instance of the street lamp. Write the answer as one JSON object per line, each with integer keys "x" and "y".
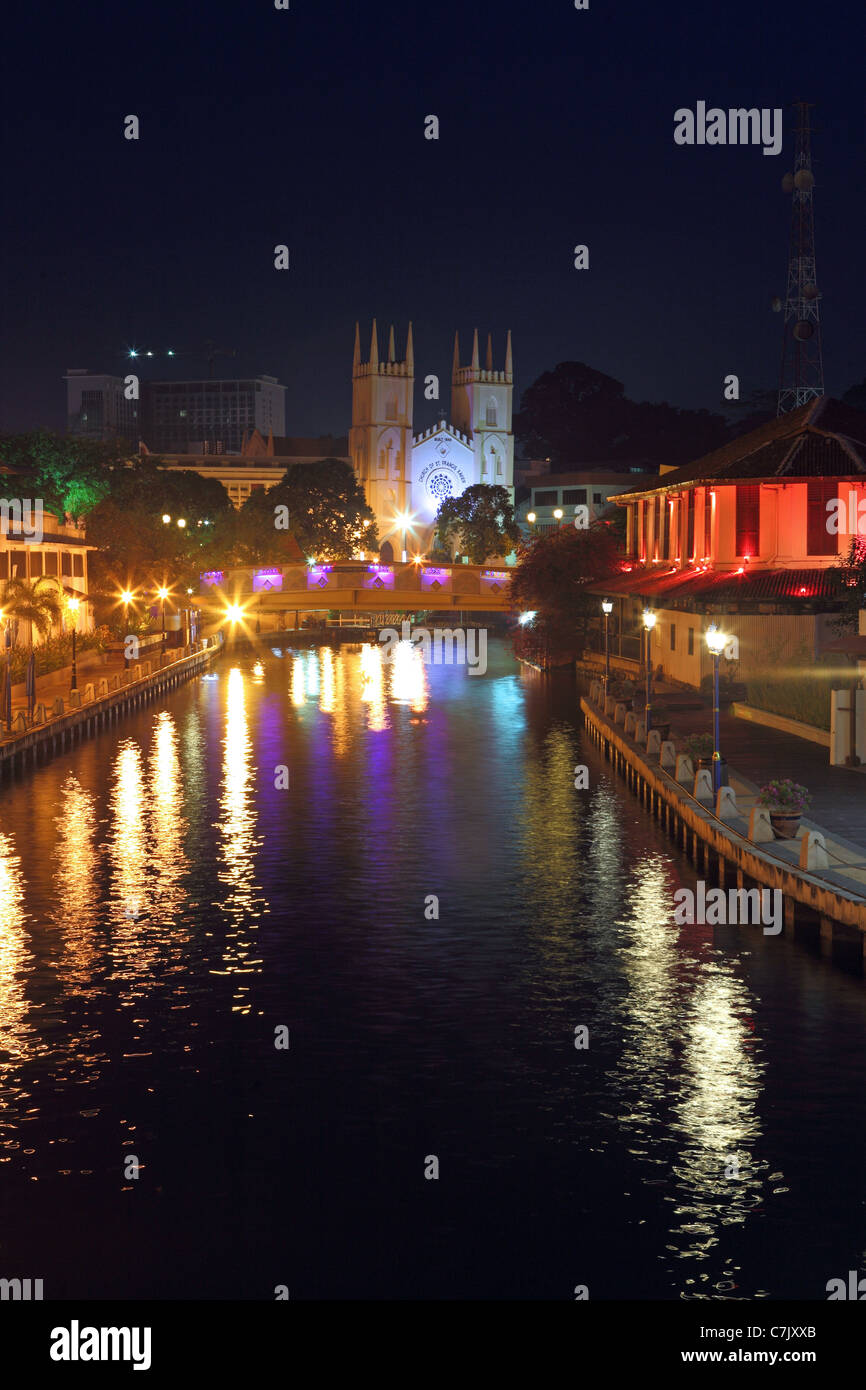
{"x": 73, "y": 605}
{"x": 649, "y": 622}
{"x": 530, "y": 517}
{"x": 163, "y": 595}
{"x": 558, "y": 513}
{"x": 165, "y": 518}
{"x": 403, "y": 520}
{"x": 716, "y": 642}
{"x": 607, "y": 609}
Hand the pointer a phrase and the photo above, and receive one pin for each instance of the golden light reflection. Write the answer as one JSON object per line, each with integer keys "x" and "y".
{"x": 373, "y": 687}
{"x": 76, "y": 865}
{"x": 132, "y": 946}
{"x": 238, "y": 845}
{"x": 298, "y": 693}
{"x": 327, "y": 698}
{"x": 409, "y": 677}
{"x": 16, "y": 960}
{"x": 166, "y": 822}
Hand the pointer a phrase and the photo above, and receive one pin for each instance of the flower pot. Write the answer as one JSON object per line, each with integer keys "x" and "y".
{"x": 785, "y": 824}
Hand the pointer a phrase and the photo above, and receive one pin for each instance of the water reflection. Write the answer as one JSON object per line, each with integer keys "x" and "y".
{"x": 16, "y": 959}
{"x": 409, "y": 677}
{"x": 373, "y": 687}
{"x": 76, "y": 880}
{"x": 241, "y": 904}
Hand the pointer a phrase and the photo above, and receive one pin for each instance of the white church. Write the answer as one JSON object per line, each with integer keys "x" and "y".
{"x": 406, "y": 476}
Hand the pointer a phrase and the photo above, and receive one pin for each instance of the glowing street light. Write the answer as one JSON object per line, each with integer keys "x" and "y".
{"x": 558, "y": 513}
{"x": 165, "y": 518}
{"x": 73, "y": 605}
{"x": 404, "y": 521}
{"x": 530, "y": 517}
{"x": 607, "y": 609}
{"x": 234, "y": 613}
{"x": 716, "y": 642}
{"x": 181, "y": 522}
{"x": 162, "y": 594}
{"x": 649, "y": 622}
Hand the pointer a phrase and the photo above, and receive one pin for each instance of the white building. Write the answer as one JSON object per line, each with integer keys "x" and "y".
{"x": 406, "y": 476}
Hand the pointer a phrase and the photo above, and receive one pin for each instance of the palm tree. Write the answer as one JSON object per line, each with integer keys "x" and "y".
{"x": 38, "y": 601}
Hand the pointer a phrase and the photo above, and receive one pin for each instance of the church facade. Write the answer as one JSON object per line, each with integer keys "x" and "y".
{"x": 406, "y": 475}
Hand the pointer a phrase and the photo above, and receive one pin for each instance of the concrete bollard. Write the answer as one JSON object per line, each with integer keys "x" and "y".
{"x": 136, "y": 672}
{"x": 609, "y": 704}
{"x": 813, "y": 851}
{"x": 88, "y": 692}
{"x": 40, "y": 714}
{"x": 668, "y": 754}
{"x": 726, "y": 804}
{"x": 619, "y": 714}
{"x": 146, "y": 667}
{"x": 703, "y": 788}
{"x": 103, "y": 687}
{"x": 760, "y": 825}
{"x": 19, "y": 724}
{"x": 640, "y": 731}
{"x": 653, "y": 743}
{"x": 630, "y": 723}
{"x": 594, "y": 690}
{"x": 75, "y": 699}
{"x": 58, "y": 706}
{"x": 685, "y": 772}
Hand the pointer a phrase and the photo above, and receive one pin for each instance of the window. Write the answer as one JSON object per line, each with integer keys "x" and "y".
{"x": 66, "y": 565}
{"x": 819, "y": 541}
{"x": 665, "y": 552}
{"x": 748, "y": 538}
{"x": 673, "y": 637}
{"x": 691, "y": 641}
{"x": 690, "y": 525}
{"x": 4, "y": 564}
{"x": 596, "y": 499}
{"x": 575, "y": 495}
{"x": 35, "y": 563}
{"x": 491, "y": 411}
{"x": 545, "y": 499}
{"x": 51, "y": 562}
{"x": 708, "y": 522}
{"x": 77, "y": 566}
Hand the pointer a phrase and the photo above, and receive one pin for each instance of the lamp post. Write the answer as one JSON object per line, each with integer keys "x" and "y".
{"x": 607, "y": 609}
{"x": 403, "y": 519}
{"x": 716, "y": 642}
{"x": 558, "y": 514}
{"x": 73, "y": 604}
{"x": 649, "y": 622}
{"x": 163, "y": 595}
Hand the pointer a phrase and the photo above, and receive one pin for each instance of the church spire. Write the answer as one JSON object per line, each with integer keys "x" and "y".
{"x": 356, "y": 355}
{"x": 374, "y": 348}
{"x": 391, "y": 355}
{"x": 475, "y": 362}
{"x": 455, "y": 365}
{"x": 489, "y": 362}
{"x": 410, "y": 352}
{"x": 508, "y": 364}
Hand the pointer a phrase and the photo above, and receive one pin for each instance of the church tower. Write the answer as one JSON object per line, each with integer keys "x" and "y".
{"x": 481, "y": 406}
{"x": 380, "y": 440}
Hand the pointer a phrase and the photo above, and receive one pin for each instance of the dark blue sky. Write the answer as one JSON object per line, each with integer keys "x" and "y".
{"x": 261, "y": 126}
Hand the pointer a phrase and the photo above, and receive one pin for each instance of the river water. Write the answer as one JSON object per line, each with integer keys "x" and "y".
{"x": 169, "y": 907}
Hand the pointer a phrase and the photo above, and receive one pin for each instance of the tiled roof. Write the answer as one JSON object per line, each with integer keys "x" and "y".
{"x": 726, "y": 586}
{"x": 824, "y": 439}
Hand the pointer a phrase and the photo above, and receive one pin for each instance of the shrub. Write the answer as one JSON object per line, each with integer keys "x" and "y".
{"x": 699, "y": 746}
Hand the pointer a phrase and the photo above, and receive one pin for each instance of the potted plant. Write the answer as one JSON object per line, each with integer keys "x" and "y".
{"x": 700, "y": 749}
{"x": 786, "y": 801}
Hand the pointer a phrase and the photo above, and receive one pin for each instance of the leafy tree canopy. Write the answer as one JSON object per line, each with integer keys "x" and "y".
{"x": 552, "y": 573}
{"x": 69, "y": 474}
{"x": 327, "y": 510}
{"x": 483, "y": 519}
{"x": 575, "y": 414}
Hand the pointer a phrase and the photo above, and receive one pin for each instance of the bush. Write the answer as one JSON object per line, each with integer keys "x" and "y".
{"x": 804, "y": 697}
{"x": 699, "y": 746}
{"x": 784, "y": 795}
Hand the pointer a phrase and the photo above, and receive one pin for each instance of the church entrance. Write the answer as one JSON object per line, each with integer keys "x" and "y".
{"x": 386, "y": 553}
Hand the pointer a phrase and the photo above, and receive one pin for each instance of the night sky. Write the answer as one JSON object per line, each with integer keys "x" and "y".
{"x": 306, "y": 127}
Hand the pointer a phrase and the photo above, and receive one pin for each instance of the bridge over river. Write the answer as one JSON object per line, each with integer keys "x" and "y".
{"x": 356, "y": 586}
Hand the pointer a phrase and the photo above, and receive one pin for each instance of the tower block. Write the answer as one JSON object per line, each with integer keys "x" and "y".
{"x": 380, "y": 438}
{"x": 481, "y": 406}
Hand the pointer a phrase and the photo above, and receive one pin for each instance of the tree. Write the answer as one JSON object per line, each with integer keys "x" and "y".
{"x": 326, "y": 509}
{"x": 852, "y": 577}
{"x": 39, "y": 602}
{"x": 483, "y": 518}
{"x": 68, "y": 474}
{"x": 551, "y": 579}
{"x": 576, "y": 414}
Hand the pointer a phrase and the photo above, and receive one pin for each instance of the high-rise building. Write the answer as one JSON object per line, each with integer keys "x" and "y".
{"x": 97, "y": 407}
{"x": 175, "y": 417}
{"x": 210, "y": 417}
